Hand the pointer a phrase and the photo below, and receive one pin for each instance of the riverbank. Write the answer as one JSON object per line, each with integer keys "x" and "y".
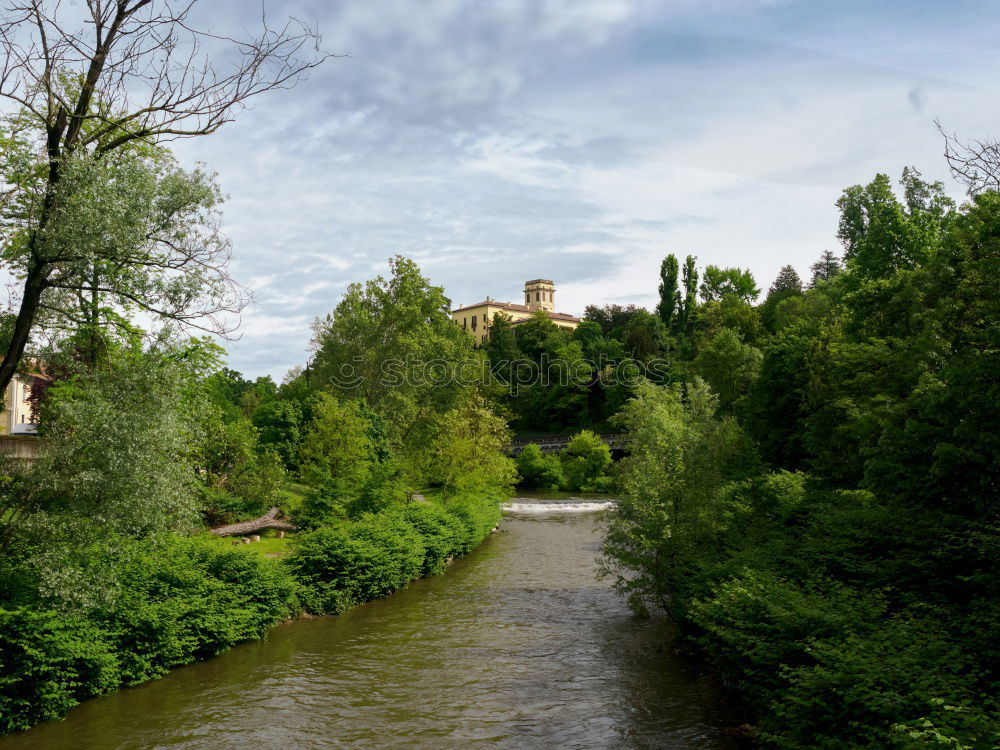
{"x": 188, "y": 599}
{"x": 518, "y": 646}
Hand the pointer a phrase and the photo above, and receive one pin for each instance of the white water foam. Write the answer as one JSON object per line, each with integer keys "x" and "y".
{"x": 572, "y": 505}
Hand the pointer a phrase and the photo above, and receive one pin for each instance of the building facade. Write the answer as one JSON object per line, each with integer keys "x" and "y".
{"x": 539, "y": 294}
{"x": 16, "y": 418}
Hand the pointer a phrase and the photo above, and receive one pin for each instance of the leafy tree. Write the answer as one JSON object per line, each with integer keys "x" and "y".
{"x": 94, "y": 89}
{"x": 775, "y": 406}
{"x": 689, "y": 306}
{"x": 127, "y": 233}
{"x": 719, "y": 283}
{"x": 537, "y": 334}
{"x": 541, "y": 470}
{"x": 585, "y": 461}
{"x": 644, "y": 336}
{"x": 238, "y": 480}
{"x": 679, "y": 452}
{"x": 392, "y": 343}
{"x": 729, "y": 312}
{"x": 120, "y": 462}
{"x": 225, "y": 389}
{"x": 501, "y": 346}
{"x": 611, "y": 318}
{"x": 788, "y": 281}
{"x": 337, "y": 452}
{"x": 934, "y": 448}
{"x": 881, "y": 234}
{"x": 560, "y": 395}
{"x": 281, "y": 423}
{"x": 670, "y": 298}
{"x": 729, "y": 366}
{"x": 467, "y": 454}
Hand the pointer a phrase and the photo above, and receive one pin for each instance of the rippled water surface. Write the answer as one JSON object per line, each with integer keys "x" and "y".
{"x": 517, "y": 646}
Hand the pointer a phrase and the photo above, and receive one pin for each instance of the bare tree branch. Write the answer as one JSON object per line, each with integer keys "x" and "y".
{"x": 975, "y": 163}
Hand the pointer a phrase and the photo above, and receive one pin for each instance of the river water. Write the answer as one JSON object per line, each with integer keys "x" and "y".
{"x": 516, "y": 646}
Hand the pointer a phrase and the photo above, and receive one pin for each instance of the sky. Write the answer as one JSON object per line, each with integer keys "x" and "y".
{"x": 495, "y": 141}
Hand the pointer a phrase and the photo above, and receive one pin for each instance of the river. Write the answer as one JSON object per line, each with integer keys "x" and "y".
{"x": 516, "y": 646}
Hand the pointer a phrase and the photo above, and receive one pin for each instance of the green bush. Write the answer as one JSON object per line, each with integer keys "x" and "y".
{"x": 441, "y": 533}
{"x": 584, "y": 462}
{"x": 183, "y": 600}
{"x": 756, "y": 625}
{"x": 191, "y": 599}
{"x": 905, "y": 685}
{"x": 541, "y": 470}
{"x": 478, "y": 514}
{"x": 355, "y": 561}
{"x": 48, "y": 663}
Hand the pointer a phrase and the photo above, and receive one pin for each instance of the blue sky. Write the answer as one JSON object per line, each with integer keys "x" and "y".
{"x": 578, "y": 140}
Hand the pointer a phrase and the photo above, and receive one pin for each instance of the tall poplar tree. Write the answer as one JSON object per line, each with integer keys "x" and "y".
{"x": 670, "y": 297}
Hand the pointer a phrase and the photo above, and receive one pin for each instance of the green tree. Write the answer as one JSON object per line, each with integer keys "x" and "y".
{"x": 825, "y": 268}
{"x": 336, "y": 452}
{"x": 585, "y": 461}
{"x": 719, "y": 283}
{"x": 935, "y": 449}
{"x": 881, "y": 234}
{"x": 467, "y": 453}
{"x": 120, "y": 460}
{"x": 540, "y": 470}
{"x": 501, "y": 347}
{"x": 613, "y": 319}
{"x": 679, "y": 453}
{"x": 788, "y": 284}
{"x": 670, "y": 296}
{"x": 86, "y": 213}
{"x": 689, "y": 307}
{"x": 392, "y": 343}
{"x": 729, "y": 366}
{"x": 537, "y": 334}
{"x": 281, "y": 423}
{"x": 644, "y": 336}
{"x": 238, "y": 479}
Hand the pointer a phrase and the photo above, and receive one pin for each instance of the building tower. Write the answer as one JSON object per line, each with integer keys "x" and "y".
{"x": 540, "y": 295}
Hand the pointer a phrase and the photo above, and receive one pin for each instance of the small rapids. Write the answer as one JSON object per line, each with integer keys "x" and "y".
{"x": 569, "y": 505}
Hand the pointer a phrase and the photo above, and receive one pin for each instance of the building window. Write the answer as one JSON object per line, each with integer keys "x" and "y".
{"x": 465, "y": 322}
{"x": 538, "y": 296}
{"x": 473, "y": 322}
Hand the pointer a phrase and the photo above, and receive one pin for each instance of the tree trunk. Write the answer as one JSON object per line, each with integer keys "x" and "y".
{"x": 267, "y": 521}
{"x": 34, "y": 285}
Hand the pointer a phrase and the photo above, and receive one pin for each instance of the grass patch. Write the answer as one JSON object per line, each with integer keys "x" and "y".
{"x": 268, "y": 546}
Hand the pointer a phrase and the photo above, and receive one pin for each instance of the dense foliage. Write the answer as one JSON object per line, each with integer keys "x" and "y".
{"x": 108, "y": 577}
{"x": 815, "y": 499}
{"x": 583, "y": 465}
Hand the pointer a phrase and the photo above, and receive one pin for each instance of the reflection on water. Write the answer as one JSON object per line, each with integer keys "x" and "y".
{"x": 517, "y": 646}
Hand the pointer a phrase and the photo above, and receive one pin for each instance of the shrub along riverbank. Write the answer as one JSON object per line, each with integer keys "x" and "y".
{"x": 188, "y": 599}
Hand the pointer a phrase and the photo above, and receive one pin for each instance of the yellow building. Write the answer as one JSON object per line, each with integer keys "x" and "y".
{"x": 539, "y": 294}
{"x": 16, "y": 416}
